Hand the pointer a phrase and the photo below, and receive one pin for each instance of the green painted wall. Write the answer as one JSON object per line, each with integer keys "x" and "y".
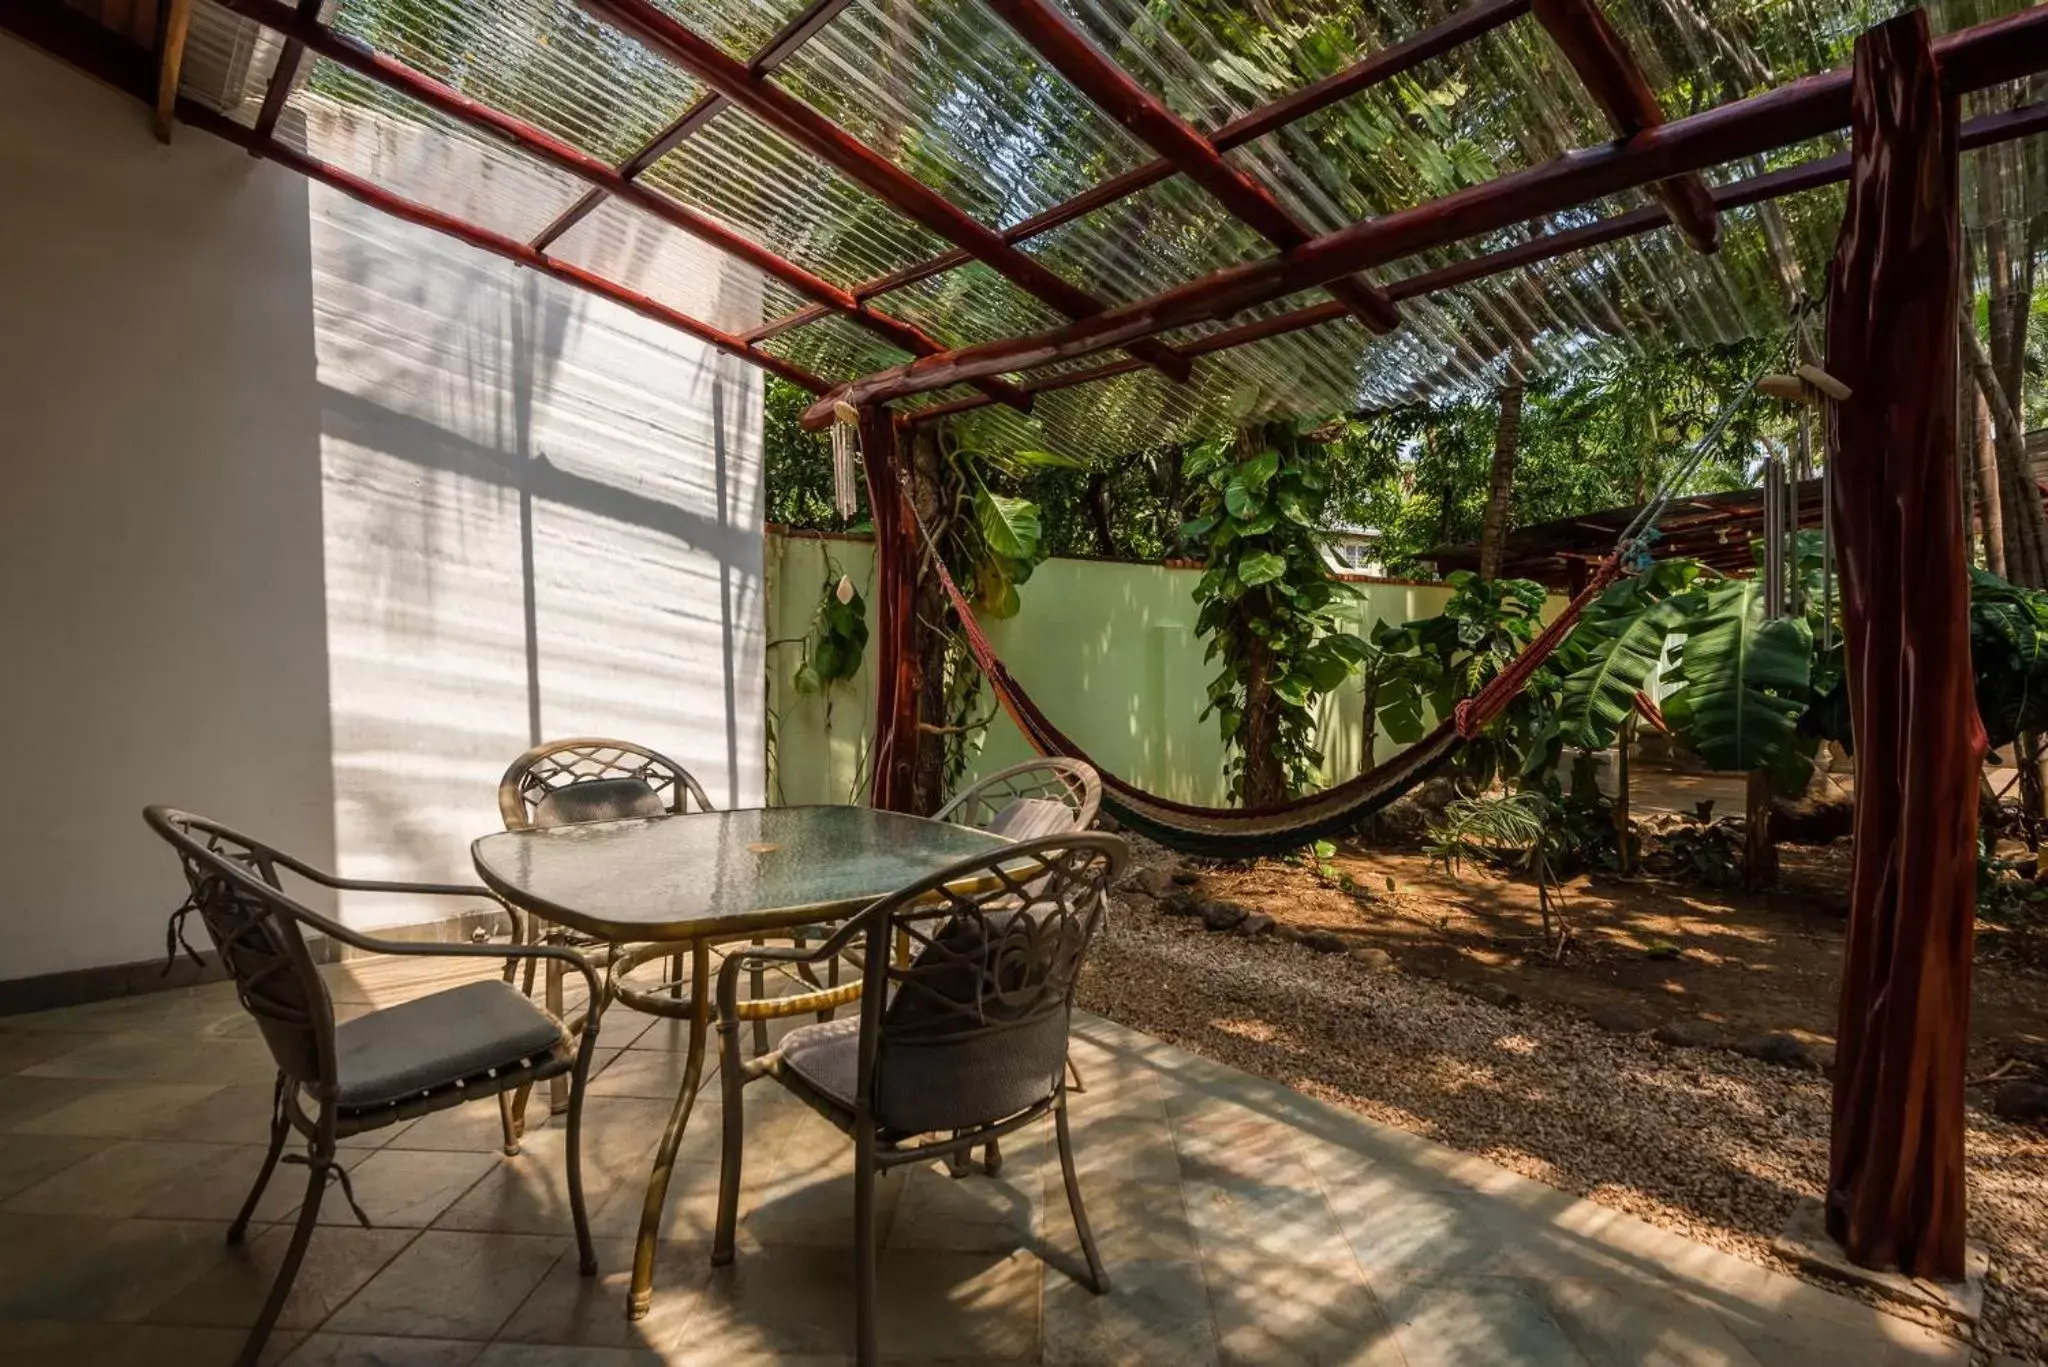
{"x": 1108, "y": 650}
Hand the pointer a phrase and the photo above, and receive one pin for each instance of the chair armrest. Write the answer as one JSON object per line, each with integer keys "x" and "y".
{"x": 355, "y": 939}
{"x": 731, "y": 1010}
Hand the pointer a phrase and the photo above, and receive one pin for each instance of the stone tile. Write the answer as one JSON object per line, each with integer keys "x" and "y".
{"x": 1118, "y": 1147}
{"x": 26, "y": 1159}
{"x": 338, "y": 1263}
{"x": 115, "y": 1110}
{"x": 153, "y": 1345}
{"x": 24, "y": 1049}
{"x": 125, "y": 1178}
{"x": 1132, "y": 1221}
{"x": 789, "y": 1299}
{"x": 474, "y": 1127}
{"x": 25, "y": 1101}
{"x": 981, "y": 1307}
{"x": 369, "y": 1350}
{"x": 1781, "y": 1319}
{"x": 810, "y": 1203}
{"x": 154, "y": 1056}
{"x": 1277, "y": 1218}
{"x": 559, "y": 1355}
{"x": 570, "y": 1308}
{"x": 976, "y": 1213}
{"x": 450, "y": 1285}
{"x": 407, "y": 1189}
{"x": 529, "y": 1193}
{"x": 1620, "y": 1324}
{"x": 1279, "y": 1313}
{"x": 1397, "y": 1231}
{"x": 106, "y": 1270}
{"x": 1155, "y": 1312}
{"x": 688, "y": 1216}
{"x": 214, "y": 1186}
{"x": 652, "y": 1073}
{"x": 1475, "y": 1322}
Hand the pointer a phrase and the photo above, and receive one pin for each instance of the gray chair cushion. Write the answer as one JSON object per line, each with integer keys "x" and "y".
{"x": 439, "y": 1040}
{"x": 1028, "y": 818}
{"x": 597, "y": 799}
{"x": 826, "y": 1057}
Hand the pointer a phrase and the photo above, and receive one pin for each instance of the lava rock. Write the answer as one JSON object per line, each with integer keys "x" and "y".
{"x": 2026, "y": 1102}
{"x": 1687, "y": 1032}
{"x": 1186, "y": 876}
{"x": 1180, "y": 902}
{"x": 1780, "y": 1049}
{"x": 1223, "y": 915}
{"x": 1291, "y": 934}
{"x": 1373, "y": 959}
{"x": 1493, "y": 994}
{"x": 1258, "y": 923}
{"x": 1322, "y": 941}
{"x": 1150, "y": 882}
{"x": 1410, "y": 817}
{"x": 1622, "y": 1020}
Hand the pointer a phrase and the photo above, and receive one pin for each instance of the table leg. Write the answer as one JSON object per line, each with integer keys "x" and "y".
{"x": 641, "y": 1297}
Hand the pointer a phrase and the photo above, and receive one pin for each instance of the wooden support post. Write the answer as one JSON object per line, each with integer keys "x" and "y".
{"x": 1895, "y": 1171}
{"x": 170, "y": 61}
{"x": 1759, "y": 847}
{"x": 898, "y": 669}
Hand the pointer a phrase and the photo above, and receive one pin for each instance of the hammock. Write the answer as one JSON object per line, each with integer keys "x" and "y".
{"x": 1248, "y": 832}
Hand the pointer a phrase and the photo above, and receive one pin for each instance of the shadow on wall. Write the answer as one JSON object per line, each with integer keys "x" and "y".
{"x": 540, "y": 520}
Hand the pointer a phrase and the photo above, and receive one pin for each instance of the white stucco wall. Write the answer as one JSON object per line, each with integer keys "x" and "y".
{"x": 312, "y": 520}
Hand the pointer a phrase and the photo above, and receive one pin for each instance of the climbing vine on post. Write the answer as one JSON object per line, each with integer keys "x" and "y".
{"x": 1267, "y": 605}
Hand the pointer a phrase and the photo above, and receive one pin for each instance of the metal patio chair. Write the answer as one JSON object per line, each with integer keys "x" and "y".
{"x": 465, "y": 1043}
{"x": 1049, "y": 796}
{"x": 966, "y": 1040}
{"x": 590, "y": 778}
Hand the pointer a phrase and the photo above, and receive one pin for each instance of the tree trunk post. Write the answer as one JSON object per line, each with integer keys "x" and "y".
{"x": 1760, "y": 848}
{"x": 928, "y": 609}
{"x": 1895, "y": 1171}
{"x": 1626, "y": 738}
{"x": 1500, "y": 483}
{"x": 1265, "y": 782}
{"x": 898, "y": 659}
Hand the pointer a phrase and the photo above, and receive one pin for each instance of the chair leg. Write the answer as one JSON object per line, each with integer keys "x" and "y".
{"x": 867, "y": 1333}
{"x": 757, "y": 987}
{"x": 558, "y": 1087}
{"x": 992, "y": 1158}
{"x": 586, "y": 1254}
{"x": 295, "y": 1251}
{"x": 1098, "y": 1280}
{"x": 732, "y": 1089}
{"x": 959, "y": 1162}
{"x": 512, "y": 1117}
{"x": 279, "y": 1128}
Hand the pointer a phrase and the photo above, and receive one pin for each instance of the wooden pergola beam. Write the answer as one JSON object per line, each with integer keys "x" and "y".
{"x": 169, "y": 62}
{"x": 1615, "y": 80}
{"x": 1068, "y": 51}
{"x": 1984, "y": 55}
{"x": 706, "y": 107}
{"x": 1983, "y": 131}
{"x": 285, "y": 72}
{"x": 483, "y": 239}
{"x": 1371, "y": 70}
{"x": 822, "y": 138}
{"x": 309, "y": 33}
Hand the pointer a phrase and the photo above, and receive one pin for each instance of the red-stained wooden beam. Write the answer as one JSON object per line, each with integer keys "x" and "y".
{"x": 822, "y": 138}
{"x": 1615, "y": 80}
{"x": 1068, "y": 51}
{"x": 1983, "y": 131}
{"x": 1971, "y": 59}
{"x": 777, "y": 50}
{"x": 284, "y": 73}
{"x": 483, "y": 239}
{"x": 545, "y": 147}
{"x": 1382, "y": 65}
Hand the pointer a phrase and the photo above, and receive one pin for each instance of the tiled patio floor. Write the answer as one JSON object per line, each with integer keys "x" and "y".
{"x": 1241, "y": 1222}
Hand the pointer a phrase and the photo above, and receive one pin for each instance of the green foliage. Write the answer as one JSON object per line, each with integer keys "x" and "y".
{"x": 2009, "y": 648}
{"x": 1433, "y": 663}
{"x": 1614, "y": 651}
{"x": 1267, "y": 602}
{"x": 1743, "y": 679}
{"x": 799, "y": 465}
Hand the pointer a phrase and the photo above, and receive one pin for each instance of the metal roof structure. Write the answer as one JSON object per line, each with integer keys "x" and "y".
{"x": 1095, "y": 225}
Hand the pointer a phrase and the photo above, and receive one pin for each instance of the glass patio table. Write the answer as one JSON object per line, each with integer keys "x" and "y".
{"x": 683, "y": 882}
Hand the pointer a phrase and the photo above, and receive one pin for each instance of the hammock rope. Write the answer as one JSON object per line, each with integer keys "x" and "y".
{"x": 1246, "y": 832}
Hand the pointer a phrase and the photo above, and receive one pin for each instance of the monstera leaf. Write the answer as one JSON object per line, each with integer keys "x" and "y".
{"x": 1620, "y": 655}
{"x": 2009, "y": 649}
{"x": 1743, "y": 679}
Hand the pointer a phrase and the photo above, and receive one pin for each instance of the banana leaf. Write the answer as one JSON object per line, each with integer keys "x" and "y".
{"x": 1620, "y": 655}
{"x": 1743, "y": 680}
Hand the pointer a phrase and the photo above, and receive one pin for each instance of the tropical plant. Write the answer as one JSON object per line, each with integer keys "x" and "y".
{"x": 838, "y": 637}
{"x": 1267, "y": 605}
{"x": 2009, "y": 650}
{"x": 1743, "y": 679}
{"x": 1518, "y": 829}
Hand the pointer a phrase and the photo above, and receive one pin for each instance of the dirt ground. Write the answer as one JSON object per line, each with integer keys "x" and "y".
{"x": 1642, "y": 952}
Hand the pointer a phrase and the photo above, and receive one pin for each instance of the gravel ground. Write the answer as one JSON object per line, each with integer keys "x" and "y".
{"x": 1711, "y": 1144}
